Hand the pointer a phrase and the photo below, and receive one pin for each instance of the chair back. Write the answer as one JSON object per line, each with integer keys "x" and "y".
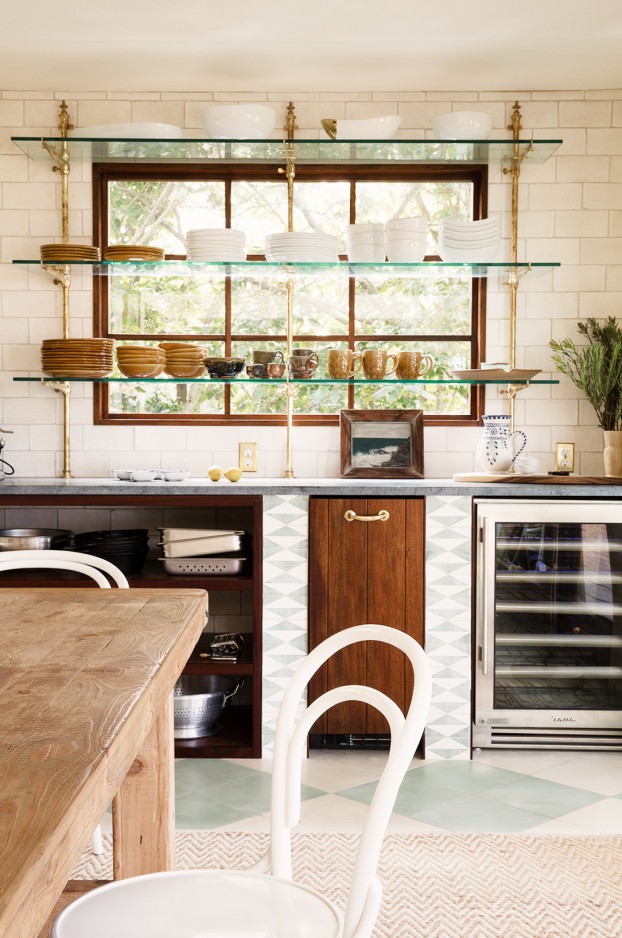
{"x": 292, "y": 729}
{"x": 93, "y": 567}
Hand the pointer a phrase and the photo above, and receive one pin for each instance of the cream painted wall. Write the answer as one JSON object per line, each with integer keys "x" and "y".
{"x": 570, "y": 210}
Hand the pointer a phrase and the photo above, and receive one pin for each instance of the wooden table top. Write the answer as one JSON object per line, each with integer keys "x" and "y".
{"x": 83, "y": 673}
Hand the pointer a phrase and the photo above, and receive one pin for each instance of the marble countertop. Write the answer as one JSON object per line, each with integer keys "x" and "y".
{"x": 346, "y": 487}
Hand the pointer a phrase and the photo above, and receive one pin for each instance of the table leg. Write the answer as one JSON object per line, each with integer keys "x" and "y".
{"x": 143, "y": 811}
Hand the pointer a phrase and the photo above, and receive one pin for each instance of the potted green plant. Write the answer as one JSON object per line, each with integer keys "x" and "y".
{"x": 595, "y": 367}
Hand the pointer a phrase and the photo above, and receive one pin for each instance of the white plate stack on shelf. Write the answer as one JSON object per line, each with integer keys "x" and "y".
{"x": 469, "y": 241}
{"x": 365, "y": 243}
{"x": 313, "y": 246}
{"x": 405, "y": 239}
{"x": 216, "y": 244}
{"x": 201, "y": 551}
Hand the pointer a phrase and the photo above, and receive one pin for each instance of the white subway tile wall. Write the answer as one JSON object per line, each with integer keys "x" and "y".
{"x": 570, "y": 211}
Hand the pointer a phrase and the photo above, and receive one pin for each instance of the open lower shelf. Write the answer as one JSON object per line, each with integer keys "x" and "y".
{"x": 233, "y": 741}
{"x": 199, "y": 149}
{"x": 276, "y": 270}
{"x": 150, "y": 576}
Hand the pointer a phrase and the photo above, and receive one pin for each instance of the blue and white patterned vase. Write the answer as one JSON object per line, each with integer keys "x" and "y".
{"x": 498, "y": 448}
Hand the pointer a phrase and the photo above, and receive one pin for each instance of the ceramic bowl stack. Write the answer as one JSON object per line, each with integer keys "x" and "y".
{"x": 302, "y": 246}
{"x": 133, "y": 252}
{"x": 183, "y": 359}
{"x": 365, "y": 243}
{"x": 405, "y": 239}
{"x": 469, "y": 241}
{"x": 140, "y": 361}
{"x": 77, "y": 358}
{"x": 57, "y": 253}
{"x": 216, "y": 244}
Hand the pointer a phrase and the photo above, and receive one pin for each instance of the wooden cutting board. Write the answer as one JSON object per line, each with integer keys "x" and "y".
{"x": 536, "y": 479}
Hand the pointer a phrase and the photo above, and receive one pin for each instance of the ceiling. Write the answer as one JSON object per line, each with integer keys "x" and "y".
{"x": 325, "y": 45}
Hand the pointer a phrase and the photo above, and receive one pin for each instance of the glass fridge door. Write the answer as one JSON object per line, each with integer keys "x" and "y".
{"x": 550, "y": 601}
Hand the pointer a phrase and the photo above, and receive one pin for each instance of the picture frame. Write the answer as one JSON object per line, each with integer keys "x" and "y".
{"x": 564, "y": 457}
{"x": 381, "y": 444}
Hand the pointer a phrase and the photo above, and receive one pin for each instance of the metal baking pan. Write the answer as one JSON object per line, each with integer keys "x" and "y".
{"x": 213, "y": 566}
{"x": 196, "y": 543}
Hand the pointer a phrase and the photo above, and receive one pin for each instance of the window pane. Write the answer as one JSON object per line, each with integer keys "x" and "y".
{"x": 166, "y": 305}
{"x": 399, "y": 306}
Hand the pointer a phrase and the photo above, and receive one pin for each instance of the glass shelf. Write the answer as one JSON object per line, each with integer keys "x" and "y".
{"x": 197, "y": 150}
{"x": 246, "y": 382}
{"x": 277, "y": 269}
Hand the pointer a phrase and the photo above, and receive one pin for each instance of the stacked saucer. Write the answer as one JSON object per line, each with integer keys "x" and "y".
{"x": 133, "y": 252}
{"x": 140, "y": 361}
{"x": 77, "y": 358}
{"x": 68, "y": 253}
{"x": 469, "y": 241}
{"x": 302, "y": 246}
{"x": 183, "y": 359}
{"x": 216, "y": 244}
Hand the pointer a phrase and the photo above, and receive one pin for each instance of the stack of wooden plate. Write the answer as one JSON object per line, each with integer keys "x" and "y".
{"x": 133, "y": 252}
{"x": 68, "y": 253}
{"x": 184, "y": 359}
{"x": 77, "y": 358}
{"x": 140, "y": 361}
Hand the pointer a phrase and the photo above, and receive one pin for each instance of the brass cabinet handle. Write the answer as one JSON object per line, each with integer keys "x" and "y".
{"x": 383, "y": 515}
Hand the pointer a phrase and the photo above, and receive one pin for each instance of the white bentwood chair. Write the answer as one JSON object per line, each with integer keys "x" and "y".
{"x": 93, "y": 567}
{"x": 258, "y": 904}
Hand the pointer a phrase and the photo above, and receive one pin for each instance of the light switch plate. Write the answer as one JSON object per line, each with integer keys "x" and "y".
{"x": 248, "y": 457}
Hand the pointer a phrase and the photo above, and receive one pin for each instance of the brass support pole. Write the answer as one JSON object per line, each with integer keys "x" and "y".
{"x": 64, "y": 388}
{"x": 62, "y": 279}
{"x": 290, "y": 172}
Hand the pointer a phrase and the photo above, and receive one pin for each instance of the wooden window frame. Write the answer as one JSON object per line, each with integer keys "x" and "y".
{"x": 104, "y": 173}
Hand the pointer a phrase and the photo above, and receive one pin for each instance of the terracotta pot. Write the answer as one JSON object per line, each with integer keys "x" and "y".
{"x": 613, "y": 453}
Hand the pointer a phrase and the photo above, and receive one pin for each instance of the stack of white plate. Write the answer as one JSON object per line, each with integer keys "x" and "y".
{"x": 216, "y": 244}
{"x": 302, "y": 246}
{"x": 405, "y": 238}
{"x": 366, "y": 242}
{"x": 469, "y": 241}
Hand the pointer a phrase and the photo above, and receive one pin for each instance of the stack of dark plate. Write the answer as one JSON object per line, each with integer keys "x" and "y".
{"x": 126, "y": 548}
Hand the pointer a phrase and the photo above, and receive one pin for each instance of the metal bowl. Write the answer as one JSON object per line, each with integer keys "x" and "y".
{"x": 33, "y": 538}
{"x": 199, "y": 700}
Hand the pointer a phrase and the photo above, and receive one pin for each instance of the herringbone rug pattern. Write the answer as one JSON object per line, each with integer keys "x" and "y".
{"x": 445, "y": 885}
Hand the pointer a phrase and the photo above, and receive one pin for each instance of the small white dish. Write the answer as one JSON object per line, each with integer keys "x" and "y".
{"x": 123, "y": 475}
{"x": 143, "y": 475}
{"x": 174, "y": 475}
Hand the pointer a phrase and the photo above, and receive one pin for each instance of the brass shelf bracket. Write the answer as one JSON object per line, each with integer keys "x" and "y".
{"x": 289, "y": 155}
{"x": 64, "y": 388}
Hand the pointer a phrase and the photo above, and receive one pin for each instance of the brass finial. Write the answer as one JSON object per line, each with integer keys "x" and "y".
{"x": 63, "y": 122}
{"x": 290, "y": 121}
{"x": 515, "y": 126}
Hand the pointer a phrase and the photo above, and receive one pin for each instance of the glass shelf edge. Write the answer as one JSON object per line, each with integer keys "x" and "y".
{"x": 317, "y": 149}
{"x": 244, "y": 382}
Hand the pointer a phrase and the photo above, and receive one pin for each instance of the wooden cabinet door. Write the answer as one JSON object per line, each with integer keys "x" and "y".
{"x": 364, "y": 571}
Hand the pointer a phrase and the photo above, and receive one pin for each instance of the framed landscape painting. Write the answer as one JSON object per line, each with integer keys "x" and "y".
{"x": 381, "y": 444}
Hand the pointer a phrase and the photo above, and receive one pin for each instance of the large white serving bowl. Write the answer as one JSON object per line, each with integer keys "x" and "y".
{"x": 147, "y": 130}
{"x": 238, "y": 121}
{"x": 462, "y": 125}
{"x": 371, "y": 128}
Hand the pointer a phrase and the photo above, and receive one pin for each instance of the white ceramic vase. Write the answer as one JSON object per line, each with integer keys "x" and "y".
{"x": 498, "y": 448}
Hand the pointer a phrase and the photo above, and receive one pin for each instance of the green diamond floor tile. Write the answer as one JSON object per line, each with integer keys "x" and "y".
{"x": 540, "y": 796}
{"x": 413, "y": 796}
{"x": 196, "y": 811}
{"x": 463, "y": 776}
{"x": 472, "y": 814}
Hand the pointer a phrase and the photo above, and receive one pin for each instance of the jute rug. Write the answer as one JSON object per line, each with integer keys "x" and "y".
{"x": 445, "y": 885}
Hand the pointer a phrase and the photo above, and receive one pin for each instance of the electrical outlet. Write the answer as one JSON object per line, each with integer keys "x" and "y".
{"x": 248, "y": 457}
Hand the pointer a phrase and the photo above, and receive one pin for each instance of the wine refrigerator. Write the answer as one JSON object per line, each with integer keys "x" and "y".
{"x": 548, "y": 635}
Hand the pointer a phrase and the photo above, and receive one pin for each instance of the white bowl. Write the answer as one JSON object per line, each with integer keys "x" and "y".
{"x": 143, "y": 475}
{"x": 239, "y": 121}
{"x": 462, "y": 125}
{"x": 174, "y": 475}
{"x": 366, "y": 253}
{"x": 462, "y": 255}
{"x": 123, "y": 475}
{"x": 372, "y": 128}
{"x": 364, "y": 228}
{"x": 131, "y": 129}
{"x": 405, "y": 252}
{"x": 418, "y": 223}
{"x": 370, "y": 237}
